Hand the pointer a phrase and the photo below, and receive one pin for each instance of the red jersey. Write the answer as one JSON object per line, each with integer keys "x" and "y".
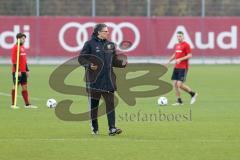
{"x": 181, "y": 50}
{"x": 22, "y": 59}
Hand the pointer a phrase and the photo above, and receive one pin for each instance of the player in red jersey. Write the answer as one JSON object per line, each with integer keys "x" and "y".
{"x": 181, "y": 56}
{"x": 23, "y": 73}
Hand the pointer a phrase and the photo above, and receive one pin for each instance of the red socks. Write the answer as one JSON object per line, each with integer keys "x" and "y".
{"x": 25, "y": 97}
{"x": 13, "y": 96}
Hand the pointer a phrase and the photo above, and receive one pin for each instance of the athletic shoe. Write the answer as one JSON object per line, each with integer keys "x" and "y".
{"x": 95, "y": 133}
{"x": 114, "y": 131}
{"x": 31, "y": 106}
{"x": 177, "y": 104}
{"x": 14, "y": 107}
{"x": 193, "y": 99}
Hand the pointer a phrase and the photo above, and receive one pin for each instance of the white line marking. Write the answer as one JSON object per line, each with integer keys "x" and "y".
{"x": 8, "y": 95}
{"x": 94, "y": 138}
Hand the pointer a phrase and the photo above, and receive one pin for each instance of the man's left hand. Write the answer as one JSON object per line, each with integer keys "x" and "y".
{"x": 178, "y": 61}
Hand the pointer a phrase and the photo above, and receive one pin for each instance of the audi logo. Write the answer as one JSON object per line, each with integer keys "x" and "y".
{"x": 82, "y": 36}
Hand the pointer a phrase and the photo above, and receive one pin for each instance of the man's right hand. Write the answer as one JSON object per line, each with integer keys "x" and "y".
{"x": 166, "y": 65}
{"x": 93, "y": 67}
{"x": 19, "y": 74}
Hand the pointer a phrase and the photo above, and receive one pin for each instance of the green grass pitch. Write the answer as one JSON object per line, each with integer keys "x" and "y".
{"x": 211, "y": 132}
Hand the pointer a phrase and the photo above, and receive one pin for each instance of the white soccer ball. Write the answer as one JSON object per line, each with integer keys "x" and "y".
{"x": 162, "y": 101}
{"x": 51, "y": 103}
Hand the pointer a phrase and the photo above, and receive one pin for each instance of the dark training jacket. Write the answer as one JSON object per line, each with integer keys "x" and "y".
{"x": 102, "y": 79}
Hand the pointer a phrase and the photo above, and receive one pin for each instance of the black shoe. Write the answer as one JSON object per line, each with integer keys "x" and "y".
{"x": 114, "y": 131}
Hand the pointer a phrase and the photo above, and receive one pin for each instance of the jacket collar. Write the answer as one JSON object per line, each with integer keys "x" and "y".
{"x": 98, "y": 39}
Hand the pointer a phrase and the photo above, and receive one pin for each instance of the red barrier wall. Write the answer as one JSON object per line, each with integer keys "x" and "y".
{"x": 65, "y": 36}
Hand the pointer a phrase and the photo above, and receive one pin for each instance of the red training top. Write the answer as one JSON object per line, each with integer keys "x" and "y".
{"x": 181, "y": 50}
{"x": 22, "y": 58}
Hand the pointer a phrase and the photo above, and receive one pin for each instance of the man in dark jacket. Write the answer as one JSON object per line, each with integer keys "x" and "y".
{"x": 98, "y": 56}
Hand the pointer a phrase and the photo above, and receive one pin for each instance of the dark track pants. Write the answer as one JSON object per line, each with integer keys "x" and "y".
{"x": 94, "y": 103}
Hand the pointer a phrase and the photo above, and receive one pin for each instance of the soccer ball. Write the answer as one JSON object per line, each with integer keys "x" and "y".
{"x": 51, "y": 103}
{"x": 162, "y": 101}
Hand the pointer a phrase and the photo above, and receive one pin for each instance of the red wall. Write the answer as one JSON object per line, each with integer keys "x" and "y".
{"x": 150, "y": 36}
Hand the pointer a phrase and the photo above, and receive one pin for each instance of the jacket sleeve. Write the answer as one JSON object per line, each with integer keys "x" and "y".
{"x": 83, "y": 58}
{"x": 118, "y": 60}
